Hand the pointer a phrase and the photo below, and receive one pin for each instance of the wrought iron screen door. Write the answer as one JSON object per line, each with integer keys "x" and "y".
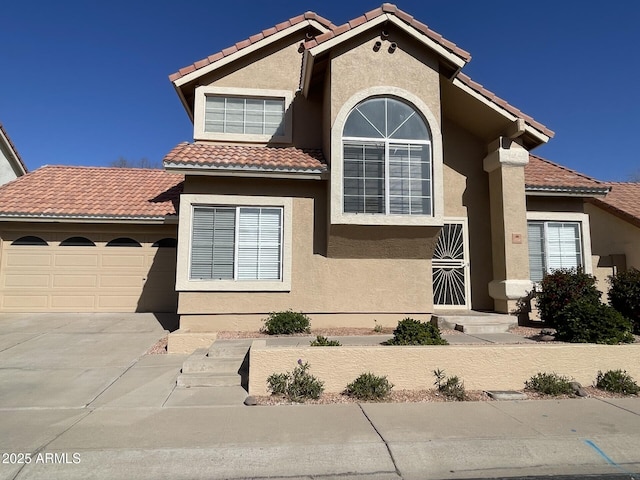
{"x": 450, "y": 267}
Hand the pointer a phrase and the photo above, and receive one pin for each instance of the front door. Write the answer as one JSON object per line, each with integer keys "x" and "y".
{"x": 451, "y": 266}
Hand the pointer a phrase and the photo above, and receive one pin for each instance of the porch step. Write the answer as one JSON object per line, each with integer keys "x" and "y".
{"x": 475, "y": 322}
{"x": 220, "y": 365}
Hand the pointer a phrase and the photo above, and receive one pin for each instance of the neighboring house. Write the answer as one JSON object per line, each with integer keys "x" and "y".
{"x": 11, "y": 165}
{"x": 352, "y": 173}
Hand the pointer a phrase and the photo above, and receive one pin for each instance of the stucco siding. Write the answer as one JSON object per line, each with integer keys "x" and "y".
{"x": 611, "y": 235}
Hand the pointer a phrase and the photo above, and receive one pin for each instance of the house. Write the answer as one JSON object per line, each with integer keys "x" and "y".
{"x": 11, "y": 165}
{"x": 351, "y": 172}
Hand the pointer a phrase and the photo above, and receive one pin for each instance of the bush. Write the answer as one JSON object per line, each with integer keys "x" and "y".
{"x": 450, "y": 387}
{"x": 414, "y": 332}
{"x": 369, "y": 387}
{"x": 617, "y": 381}
{"x": 321, "y": 341}
{"x": 298, "y": 385}
{"x": 624, "y": 295}
{"x": 562, "y": 287}
{"x": 584, "y": 322}
{"x": 549, "y": 384}
{"x": 286, "y": 323}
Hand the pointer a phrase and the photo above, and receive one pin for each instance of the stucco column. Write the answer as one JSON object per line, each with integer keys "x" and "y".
{"x": 505, "y": 164}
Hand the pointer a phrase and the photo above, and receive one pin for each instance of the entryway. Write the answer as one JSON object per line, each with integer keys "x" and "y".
{"x": 450, "y": 266}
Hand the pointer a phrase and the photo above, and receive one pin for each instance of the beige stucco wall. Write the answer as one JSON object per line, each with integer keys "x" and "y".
{"x": 615, "y": 244}
{"x": 480, "y": 367}
{"x": 374, "y": 283}
{"x": 355, "y": 66}
{"x": 7, "y": 172}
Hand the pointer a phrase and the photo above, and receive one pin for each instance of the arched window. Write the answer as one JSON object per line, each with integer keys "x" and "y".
{"x": 166, "y": 243}
{"x": 77, "y": 242}
{"x": 387, "y": 159}
{"x": 123, "y": 242}
{"x": 29, "y": 240}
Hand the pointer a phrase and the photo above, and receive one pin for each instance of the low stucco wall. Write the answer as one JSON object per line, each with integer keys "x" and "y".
{"x": 481, "y": 367}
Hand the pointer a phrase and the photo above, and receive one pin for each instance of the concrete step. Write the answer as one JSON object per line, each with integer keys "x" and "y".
{"x": 475, "y": 322}
{"x": 486, "y": 327}
{"x": 212, "y": 365}
{"x": 228, "y": 351}
{"x": 208, "y": 380}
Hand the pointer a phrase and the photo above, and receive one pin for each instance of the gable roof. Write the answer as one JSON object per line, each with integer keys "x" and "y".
{"x": 623, "y": 201}
{"x": 264, "y": 37}
{"x": 547, "y": 178}
{"x": 18, "y": 165}
{"x": 244, "y": 158}
{"x": 92, "y": 193}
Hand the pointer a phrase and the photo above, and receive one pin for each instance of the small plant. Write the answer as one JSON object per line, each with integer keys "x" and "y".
{"x": 450, "y": 387}
{"x": 298, "y": 385}
{"x": 377, "y": 327}
{"x": 286, "y": 323}
{"x": 562, "y": 287}
{"x": 415, "y": 332}
{"x": 586, "y": 322}
{"x": 321, "y": 341}
{"x": 549, "y": 384}
{"x": 617, "y": 381}
{"x": 369, "y": 387}
{"x": 624, "y": 295}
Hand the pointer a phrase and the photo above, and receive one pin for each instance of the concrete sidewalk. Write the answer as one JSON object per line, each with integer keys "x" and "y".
{"x": 83, "y": 401}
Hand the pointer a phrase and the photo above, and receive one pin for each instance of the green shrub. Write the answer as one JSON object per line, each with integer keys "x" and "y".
{"x": 617, "y": 381}
{"x": 415, "y": 332}
{"x": 585, "y": 322}
{"x": 369, "y": 387}
{"x": 549, "y": 384}
{"x": 450, "y": 387}
{"x": 624, "y": 295}
{"x": 286, "y": 323}
{"x": 377, "y": 327}
{"x": 298, "y": 385}
{"x": 562, "y": 287}
{"x": 321, "y": 341}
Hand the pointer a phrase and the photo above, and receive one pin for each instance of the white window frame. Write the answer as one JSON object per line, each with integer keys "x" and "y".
{"x": 201, "y": 94}
{"x": 338, "y": 216}
{"x": 569, "y": 217}
{"x": 187, "y": 204}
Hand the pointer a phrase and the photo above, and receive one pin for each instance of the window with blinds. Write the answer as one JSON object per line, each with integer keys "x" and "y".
{"x": 259, "y": 116}
{"x": 387, "y": 160}
{"x": 236, "y": 243}
{"x": 553, "y": 245}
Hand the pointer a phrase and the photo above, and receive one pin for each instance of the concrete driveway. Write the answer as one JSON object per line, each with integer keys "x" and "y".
{"x": 79, "y": 399}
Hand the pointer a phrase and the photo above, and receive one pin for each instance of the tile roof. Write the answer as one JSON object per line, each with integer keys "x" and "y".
{"x": 541, "y": 175}
{"x": 250, "y": 41}
{"x": 243, "y": 157}
{"x": 92, "y": 192}
{"x": 405, "y": 17}
{"x": 13, "y": 148}
{"x": 623, "y": 200}
{"x": 503, "y": 103}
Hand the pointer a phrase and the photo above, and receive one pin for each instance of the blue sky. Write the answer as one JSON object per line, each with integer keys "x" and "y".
{"x": 86, "y": 82}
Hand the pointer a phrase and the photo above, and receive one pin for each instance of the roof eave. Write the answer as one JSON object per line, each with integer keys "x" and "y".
{"x": 76, "y": 218}
{"x": 16, "y": 161}
{"x": 554, "y": 191}
{"x": 210, "y": 170}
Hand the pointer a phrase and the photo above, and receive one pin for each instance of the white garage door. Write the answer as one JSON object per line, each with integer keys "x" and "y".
{"x": 81, "y": 274}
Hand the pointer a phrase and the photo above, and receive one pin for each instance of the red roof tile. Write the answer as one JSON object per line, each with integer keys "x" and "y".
{"x": 623, "y": 200}
{"x": 13, "y": 147}
{"x": 388, "y": 8}
{"x": 503, "y": 103}
{"x": 81, "y": 192}
{"x": 241, "y": 157}
{"x": 542, "y": 175}
{"x": 249, "y": 41}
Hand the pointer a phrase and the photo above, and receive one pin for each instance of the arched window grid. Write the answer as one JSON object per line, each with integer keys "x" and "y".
{"x": 387, "y": 160}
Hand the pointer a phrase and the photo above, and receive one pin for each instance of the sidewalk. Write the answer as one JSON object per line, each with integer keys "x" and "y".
{"x": 87, "y": 389}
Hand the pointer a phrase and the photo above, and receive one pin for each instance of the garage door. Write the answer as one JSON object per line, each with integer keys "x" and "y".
{"x": 78, "y": 274}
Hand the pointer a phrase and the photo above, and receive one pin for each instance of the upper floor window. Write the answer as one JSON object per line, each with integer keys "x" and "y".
{"x": 387, "y": 160}
{"x": 247, "y": 115}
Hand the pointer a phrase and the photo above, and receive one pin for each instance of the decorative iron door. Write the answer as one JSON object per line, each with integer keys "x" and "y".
{"x": 450, "y": 267}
